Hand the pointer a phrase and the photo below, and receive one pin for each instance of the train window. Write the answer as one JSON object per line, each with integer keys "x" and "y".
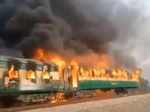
{"x": 23, "y": 66}
{"x": 30, "y": 75}
{"x": 45, "y": 74}
{"x": 53, "y": 68}
{"x": 12, "y": 73}
{"x": 11, "y": 79}
{"x": 31, "y": 66}
{"x": 45, "y": 68}
{"x": 3, "y": 64}
{"x": 13, "y": 67}
{"x": 109, "y": 73}
{"x": 54, "y": 72}
{"x": 15, "y": 63}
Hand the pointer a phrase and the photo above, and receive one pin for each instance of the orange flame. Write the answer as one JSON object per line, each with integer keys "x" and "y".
{"x": 58, "y": 98}
{"x": 94, "y": 60}
{"x": 12, "y": 73}
{"x": 41, "y": 54}
{"x": 30, "y": 75}
{"x": 136, "y": 74}
{"x": 88, "y": 66}
{"x": 50, "y": 57}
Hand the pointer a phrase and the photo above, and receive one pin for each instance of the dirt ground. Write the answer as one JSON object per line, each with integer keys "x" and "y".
{"x": 138, "y": 103}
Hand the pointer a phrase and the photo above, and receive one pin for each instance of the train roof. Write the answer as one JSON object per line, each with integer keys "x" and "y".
{"x": 23, "y": 60}
{"x": 5, "y": 58}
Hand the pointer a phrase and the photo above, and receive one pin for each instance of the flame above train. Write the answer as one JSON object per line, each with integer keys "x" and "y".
{"x": 89, "y": 65}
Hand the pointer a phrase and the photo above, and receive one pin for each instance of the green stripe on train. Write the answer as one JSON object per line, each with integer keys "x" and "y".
{"x": 99, "y": 84}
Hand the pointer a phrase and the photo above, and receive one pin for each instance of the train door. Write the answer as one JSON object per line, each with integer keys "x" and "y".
{"x": 39, "y": 75}
{"x": 3, "y": 71}
{"x": 67, "y": 74}
{"x": 75, "y": 76}
{"x": 22, "y": 73}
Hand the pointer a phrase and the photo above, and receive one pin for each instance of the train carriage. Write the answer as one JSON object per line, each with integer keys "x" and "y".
{"x": 106, "y": 80}
{"x": 27, "y": 76}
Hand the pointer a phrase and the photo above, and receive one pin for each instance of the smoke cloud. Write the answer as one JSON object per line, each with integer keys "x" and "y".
{"x": 74, "y": 27}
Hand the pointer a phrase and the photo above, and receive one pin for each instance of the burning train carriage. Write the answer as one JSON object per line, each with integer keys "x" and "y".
{"x": 20, "y": 76}
{"x": 28, "y": 76}
{"x": 107, "y": 79}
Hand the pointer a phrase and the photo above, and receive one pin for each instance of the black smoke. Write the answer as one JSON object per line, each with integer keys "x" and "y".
{"x": 61, "y": 26}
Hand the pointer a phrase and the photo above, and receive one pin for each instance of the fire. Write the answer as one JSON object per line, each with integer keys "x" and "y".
{"x": 74, "y": 73}
{"x": 89, "y": 59}
{"x": 59, "y": 98}
{"x": 12, "y": 73}
{"x": 41, "y": 54}
{"x": 136, "y": 74}
{"x": 89, "y": 66}
{"x": 30, "y": 75}
{"x": 50, "y": 57}
{"x": 93, "y": 60}
{"x": 45, "y": 74}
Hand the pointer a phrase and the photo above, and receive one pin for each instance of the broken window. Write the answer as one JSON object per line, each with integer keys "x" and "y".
{"x": 54, "y": 72}
{"x": 31, "y": 75}
{"x": 11, "y": 79}
{"x": 45, "y": 74}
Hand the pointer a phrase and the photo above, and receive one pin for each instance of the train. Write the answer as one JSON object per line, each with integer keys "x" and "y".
{"x": 29, "y": 76}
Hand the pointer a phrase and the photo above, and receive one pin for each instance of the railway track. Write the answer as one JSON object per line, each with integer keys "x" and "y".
{"x": 48, "y": 104}
{"x": 19, "y": 106}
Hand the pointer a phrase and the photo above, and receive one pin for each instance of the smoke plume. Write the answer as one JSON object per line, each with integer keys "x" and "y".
{"x": 73, "y": 27}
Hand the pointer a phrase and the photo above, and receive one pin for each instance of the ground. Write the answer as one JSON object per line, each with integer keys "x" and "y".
{"x": 138, "y": 103}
